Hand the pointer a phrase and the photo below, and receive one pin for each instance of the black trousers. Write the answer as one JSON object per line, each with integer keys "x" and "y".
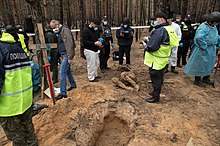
{"x": 54, "y": 63}
{"x": 104, "y": 56}
{"x": 157, "y": 78}
{"x": 124, "y": 50}
{"x": 182, "y": 52}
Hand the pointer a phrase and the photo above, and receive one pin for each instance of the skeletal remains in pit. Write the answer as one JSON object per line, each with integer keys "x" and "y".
{"x": 127, "y": 79}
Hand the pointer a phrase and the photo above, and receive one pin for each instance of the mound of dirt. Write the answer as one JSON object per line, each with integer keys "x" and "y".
{"x": 100, "y": 114}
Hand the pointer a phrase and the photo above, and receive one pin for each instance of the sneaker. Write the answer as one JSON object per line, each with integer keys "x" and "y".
{"x": 152, "y": 99}
{"x": 95, "y": 80}
{"x": 71, "y": 88}
{"x": 60, "y": 97}
{"x": 199, "y": 83}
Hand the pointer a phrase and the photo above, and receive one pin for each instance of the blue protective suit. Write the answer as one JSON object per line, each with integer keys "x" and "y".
{"x": 203, "y": 57}
{"x": 36, "y": 78}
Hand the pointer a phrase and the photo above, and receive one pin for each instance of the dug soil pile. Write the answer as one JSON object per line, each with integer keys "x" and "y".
{"x": 100, "y": 114}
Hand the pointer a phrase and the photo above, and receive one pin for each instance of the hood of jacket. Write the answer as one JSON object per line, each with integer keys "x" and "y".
{"x": 7, "y": 38}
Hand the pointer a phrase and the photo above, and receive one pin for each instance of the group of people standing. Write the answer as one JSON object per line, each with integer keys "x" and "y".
{"x": 162, "y": 46}
{"x": 96, "y": 41}
{"x": 164, "y": 41}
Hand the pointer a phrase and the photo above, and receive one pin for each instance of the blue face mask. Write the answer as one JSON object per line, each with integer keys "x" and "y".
{"x": 105, "y": 22}
{"x": 155, "y": 23}
{"x": 125, "y": 26}
{"x": 96, "y": 28}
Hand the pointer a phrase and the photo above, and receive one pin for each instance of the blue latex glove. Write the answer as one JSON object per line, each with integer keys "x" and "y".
{"x": 48, "y": 57}
{"x": 181, "y": 44}
{"x": 101, "y": 40}
{"x": 48, "y": 47}
{"x": 113, "y": 46}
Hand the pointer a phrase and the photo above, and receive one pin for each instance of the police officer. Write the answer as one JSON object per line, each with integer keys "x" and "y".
{"x": 125, "y": 38}
{"x": 186, "y": 30}
{"x": 157, "y": 53}
{"x": 16, "y": 93}
{"x": 105, "y": 33}
{"x": 19, "y": 38}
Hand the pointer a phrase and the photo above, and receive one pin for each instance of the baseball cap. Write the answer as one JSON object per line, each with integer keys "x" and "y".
{"x": 161, "y": 15}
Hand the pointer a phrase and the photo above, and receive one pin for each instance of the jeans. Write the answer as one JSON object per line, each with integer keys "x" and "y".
{"x": 65, "y": 71}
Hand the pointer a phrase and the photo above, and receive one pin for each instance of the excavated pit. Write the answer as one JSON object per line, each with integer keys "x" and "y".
{"x": 115, "y": 132}
{"x": 105, "y": 123}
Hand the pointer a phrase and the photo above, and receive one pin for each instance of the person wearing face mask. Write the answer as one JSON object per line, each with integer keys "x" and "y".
{"x": 202, "y": 60}
{"x": 125, "y": 38}
{"x": 66, "y": 48}
{"x": 105, "y": 33}
{"x": 90, "y": 40}
{"x": 157, "y": 53}
{"x": 186, "y": 39}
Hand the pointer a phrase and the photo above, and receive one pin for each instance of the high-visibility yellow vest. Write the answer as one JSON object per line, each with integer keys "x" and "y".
{"x": 23, "y": 45}
{"x": 16, "y": 95}
{"x": 159, "y": 59}
{"x": 185, "y": 27}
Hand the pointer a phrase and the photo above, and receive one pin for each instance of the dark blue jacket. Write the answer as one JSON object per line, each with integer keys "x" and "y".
{"x": 61, "y": 46}
{"x": 158, "y": 37}
{"x": 128, "y": 36}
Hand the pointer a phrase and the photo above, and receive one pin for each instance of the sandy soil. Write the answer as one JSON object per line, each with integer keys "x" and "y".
{"x": 100, "y": 114}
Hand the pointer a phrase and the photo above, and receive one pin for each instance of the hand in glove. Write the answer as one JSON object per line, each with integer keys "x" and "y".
{"x": 181, "y": 44}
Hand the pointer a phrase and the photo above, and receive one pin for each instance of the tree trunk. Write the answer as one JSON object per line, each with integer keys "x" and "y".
{"x": 61, "y": 11}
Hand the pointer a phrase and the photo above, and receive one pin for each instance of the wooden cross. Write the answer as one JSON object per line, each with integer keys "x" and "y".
{"x": 45, "y": 59}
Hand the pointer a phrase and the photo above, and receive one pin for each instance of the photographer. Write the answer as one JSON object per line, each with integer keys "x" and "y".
{"x": 125, "y": 38}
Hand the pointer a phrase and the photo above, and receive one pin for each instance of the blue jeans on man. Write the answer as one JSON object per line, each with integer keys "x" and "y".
{"x": 65, "y": 71}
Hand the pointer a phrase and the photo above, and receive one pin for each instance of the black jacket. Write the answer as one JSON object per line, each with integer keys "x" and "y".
{"x": 89, "y": 37}
{"x": 128, "y": 36}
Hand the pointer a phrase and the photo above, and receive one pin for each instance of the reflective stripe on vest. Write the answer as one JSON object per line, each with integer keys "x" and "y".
{"x": 16, "y": 96}
{"x": 159, "y": 59}
{"x": 185, "y": 27}
{"x": 23, "y": 45}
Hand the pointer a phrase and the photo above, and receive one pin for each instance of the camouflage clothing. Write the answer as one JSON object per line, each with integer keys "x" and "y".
{"x": 19, "y": 129}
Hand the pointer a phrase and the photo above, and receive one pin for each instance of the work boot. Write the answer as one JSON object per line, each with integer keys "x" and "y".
{"x": 199, "y": 83}
{"x": 173, "y": 70}
{"x": 152, "y": 99}
{"x": 207, "y": 81}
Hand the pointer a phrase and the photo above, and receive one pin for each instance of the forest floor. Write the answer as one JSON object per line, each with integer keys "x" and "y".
{"x": 101, "y": 114}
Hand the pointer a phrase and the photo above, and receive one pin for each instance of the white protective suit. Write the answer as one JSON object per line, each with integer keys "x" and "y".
{"x": 173, "y": 55}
